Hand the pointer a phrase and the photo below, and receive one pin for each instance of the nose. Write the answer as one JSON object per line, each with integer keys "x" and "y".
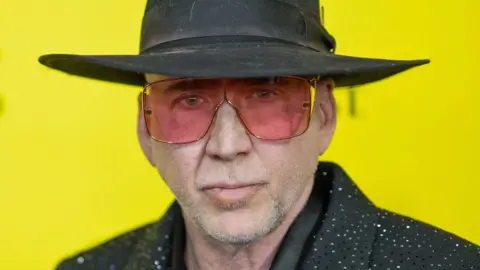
{"x": 228, "y": 137}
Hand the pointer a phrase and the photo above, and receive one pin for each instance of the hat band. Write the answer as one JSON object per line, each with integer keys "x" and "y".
{"x": 223, "y": 41}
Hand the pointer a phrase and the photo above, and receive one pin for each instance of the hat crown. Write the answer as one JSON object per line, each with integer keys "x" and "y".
{"x": 294, "y": 21}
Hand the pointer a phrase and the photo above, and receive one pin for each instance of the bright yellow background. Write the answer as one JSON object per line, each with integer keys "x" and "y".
{"x": 72, "y": 174}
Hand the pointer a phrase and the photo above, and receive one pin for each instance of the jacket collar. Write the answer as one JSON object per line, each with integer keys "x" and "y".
{"x": 347, "y": 232}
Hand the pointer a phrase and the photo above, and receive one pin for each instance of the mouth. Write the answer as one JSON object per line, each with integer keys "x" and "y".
{"x": 232, "y": 194}
{"x": 230, "y": 186}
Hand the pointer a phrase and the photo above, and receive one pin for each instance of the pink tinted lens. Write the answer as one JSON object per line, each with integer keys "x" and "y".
{"x": 272, "y": 108}
{"x": 181, "y": 111}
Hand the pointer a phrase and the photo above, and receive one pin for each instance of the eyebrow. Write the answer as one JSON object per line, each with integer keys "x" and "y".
{"x": 206, "y": 83}
{"x": 181, "y": 85}
{"x": 257, "y": 81}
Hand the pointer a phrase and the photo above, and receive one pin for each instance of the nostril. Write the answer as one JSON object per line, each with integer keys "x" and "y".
{"x": 217, "y": 157}
{"x": 228, "y": 156}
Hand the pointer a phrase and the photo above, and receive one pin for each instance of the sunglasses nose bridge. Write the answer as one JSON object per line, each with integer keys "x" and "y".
{"x": 227, "y": 123}
{"x": 226, "y": 99}
{"x": 232, "y": 107}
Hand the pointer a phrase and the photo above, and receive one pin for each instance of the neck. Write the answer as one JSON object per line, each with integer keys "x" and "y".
{"x": 204, "y": 253}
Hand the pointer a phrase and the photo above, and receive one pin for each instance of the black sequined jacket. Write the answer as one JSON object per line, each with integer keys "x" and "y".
{"x": 339, "y": 228}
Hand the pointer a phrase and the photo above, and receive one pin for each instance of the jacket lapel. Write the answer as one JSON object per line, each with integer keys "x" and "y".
{"x": 346, "y": 235}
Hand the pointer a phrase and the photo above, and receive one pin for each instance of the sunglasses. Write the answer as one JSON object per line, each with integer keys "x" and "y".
{"x": 182, "y": 110}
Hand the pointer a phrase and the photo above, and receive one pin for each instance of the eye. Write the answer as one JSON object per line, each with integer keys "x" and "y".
{"x": 264, "y": 93}
{"x": 190, "y": 101}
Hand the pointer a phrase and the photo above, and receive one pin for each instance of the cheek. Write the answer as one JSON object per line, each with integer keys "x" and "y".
{"x": 290, "y": 164}
{"x": 177, "y": 165}
{"x": 296, "y": 154}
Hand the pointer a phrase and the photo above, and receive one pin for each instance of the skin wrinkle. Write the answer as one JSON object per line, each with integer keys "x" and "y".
{"x": 245, "y": 234}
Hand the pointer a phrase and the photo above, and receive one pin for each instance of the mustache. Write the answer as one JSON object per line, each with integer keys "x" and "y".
{"x": 231, "y": 175}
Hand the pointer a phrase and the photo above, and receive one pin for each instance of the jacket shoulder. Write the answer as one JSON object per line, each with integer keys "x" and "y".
{"x": 122, "y": 251}
{"x": 105, "y": 255}
{"x": 405, "y": 243}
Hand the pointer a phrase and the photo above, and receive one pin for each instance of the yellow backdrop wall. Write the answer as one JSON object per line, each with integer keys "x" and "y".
{"x": 72, "y": 174}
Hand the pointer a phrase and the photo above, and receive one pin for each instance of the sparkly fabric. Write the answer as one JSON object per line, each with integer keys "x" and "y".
{"x": 348, "y": 232}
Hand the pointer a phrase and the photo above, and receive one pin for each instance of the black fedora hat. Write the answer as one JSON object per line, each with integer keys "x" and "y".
{"x": 231, "y": 38}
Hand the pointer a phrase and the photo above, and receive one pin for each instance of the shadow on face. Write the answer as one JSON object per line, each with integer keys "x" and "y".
{"x": 231, "y": 184}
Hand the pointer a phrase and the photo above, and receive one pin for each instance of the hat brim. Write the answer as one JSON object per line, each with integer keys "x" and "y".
{"x": 232, "y": 61}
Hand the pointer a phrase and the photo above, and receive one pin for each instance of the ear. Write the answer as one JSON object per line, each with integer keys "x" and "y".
{"x": 142, "y": 133}
{"x": 325, "y": 112}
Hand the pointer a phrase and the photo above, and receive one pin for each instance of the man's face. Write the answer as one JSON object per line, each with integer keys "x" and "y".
{"x": 234, "y": 186}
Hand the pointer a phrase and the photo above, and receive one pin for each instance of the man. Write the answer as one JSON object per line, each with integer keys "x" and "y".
{"x": 237, "y": 107}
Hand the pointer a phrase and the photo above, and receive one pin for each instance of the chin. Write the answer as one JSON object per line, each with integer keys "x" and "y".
{"x": 236, "y": 239}
{"x": 242, "y": 226}
{"x": 239, "y": 234}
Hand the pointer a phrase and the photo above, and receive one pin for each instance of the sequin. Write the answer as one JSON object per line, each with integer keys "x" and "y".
{"x": 80, "y": 260}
